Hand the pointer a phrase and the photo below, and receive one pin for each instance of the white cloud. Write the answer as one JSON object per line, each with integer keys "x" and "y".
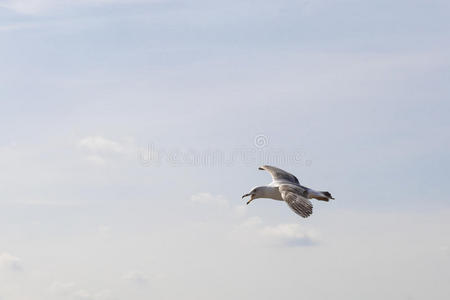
{"x": 71, "y": 291}
{"x": 18, "y": 26}
{"x": 253, "y": 228}
{"x": 83, "y": 295}
{"x": 102, "y": 151}
{"x": 62, "y": 288}
{"x": 104, "y": 295}
{"x": 10, "y": 262}
{"x": 104, "y": 231}
{"x": 136, "y": 277}
{"x": 251, "y": 222}
{"x": 240, "y": 210}
{"x": 289, "y": 234}
{"x": 100, "y": 144}
{"x": 25, "y": 6}
{"x": 96, "y": 160}
{"x": 39, "y": 6}
{"x": 446, "y": 250}
{"x": 207, "y": 198}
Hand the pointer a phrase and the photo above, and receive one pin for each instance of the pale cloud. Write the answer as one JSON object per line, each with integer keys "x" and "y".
{"x": 289, "y": 234}
{"x": 100, "y": 144}
{"x": 251, "y": 222}
{"x": 104, "y": 295}
{"x": 104, "y": 231}
{"x": 101, "y": 151}
{"x": 39, "y": 6}
{"x": 96, "y": 160}
{"x": 136, "y": 277}
{"x": 240, "y": 210}
{"x": 446, "y": 250}
{"x": 18, "y": 26}
{"x": 83, "y": 295}
{"x": 62, "y": 288}
{"x": 10, "y": 262}
{"x": 26, "y": 6}
{"x": 284, "y": 234}
{"x": 207, "y": 198}
{"x": 69, "y": 290}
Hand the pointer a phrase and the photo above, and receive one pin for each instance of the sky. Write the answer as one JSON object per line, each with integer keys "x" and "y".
{"x": 131, "y": 129}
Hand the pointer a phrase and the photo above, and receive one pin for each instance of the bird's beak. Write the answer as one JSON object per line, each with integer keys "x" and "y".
{"x": 251, "y": 197}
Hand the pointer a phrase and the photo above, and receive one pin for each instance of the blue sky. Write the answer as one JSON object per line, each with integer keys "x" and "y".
{"x": 350, "y": 96}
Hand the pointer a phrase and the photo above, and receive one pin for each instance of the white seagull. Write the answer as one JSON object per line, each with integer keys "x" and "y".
{"x": 286, "y": 187}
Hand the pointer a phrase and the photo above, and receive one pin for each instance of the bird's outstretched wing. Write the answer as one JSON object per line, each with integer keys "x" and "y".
{"x": 292, "y": 195}
{"x": 280, "y": 175}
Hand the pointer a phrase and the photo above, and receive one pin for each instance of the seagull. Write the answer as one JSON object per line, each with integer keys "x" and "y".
{"x": 286, "y": 187}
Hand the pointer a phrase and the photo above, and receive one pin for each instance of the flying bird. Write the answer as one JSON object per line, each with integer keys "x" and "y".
{"x": 286, "y": 187}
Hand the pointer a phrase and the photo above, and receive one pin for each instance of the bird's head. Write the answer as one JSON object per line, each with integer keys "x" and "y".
{"x": 254, "y": 194}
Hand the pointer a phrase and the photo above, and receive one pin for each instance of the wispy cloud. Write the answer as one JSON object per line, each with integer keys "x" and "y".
{"x": 70, "y": 290}
{"x": 10, "y": 262}
{"x": 104, "y": 231}
{"x": 100, "y": 150}
{"x": 254, "y": 228}
{"x": 17, "y": 26}
{"x": 289, "y": 235}
{"x": 26, "y": 6}
{"x": 284, "y": 234}
{"x": 62, "y": 288}
{"x": 445, "y": 250}
{"x": 39, "y": 6}
{"x": 251, "y": 222}
{"x": 136, "y": 277}
{"x": 240, "y": 210}
{"x": 100, "y": 144}
{"x": 207, "y": 198}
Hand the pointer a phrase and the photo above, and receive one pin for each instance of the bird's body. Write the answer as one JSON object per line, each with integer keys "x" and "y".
{"x": 286, "y": 187}
{"x": 270, "y": 192}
